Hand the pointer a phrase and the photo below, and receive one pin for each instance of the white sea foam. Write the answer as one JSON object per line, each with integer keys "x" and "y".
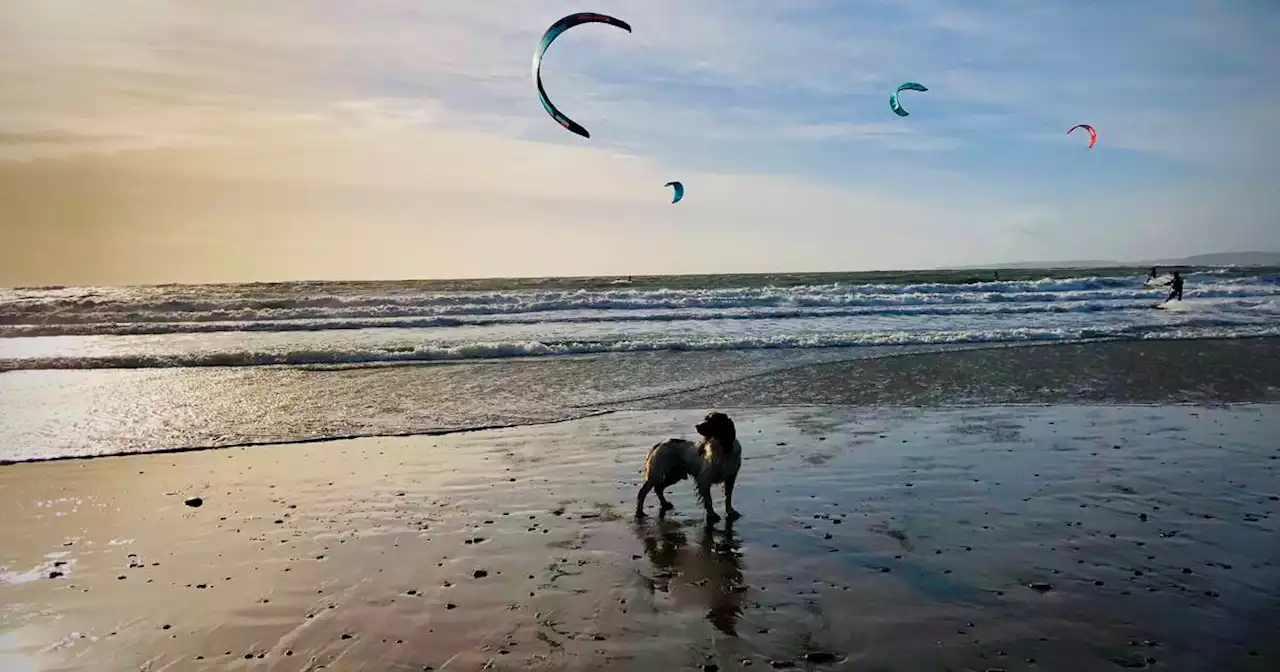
{"x": 310, "y": 323}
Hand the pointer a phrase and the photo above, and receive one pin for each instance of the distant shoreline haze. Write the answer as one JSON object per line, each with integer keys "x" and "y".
{"x": 1213, "y": 259}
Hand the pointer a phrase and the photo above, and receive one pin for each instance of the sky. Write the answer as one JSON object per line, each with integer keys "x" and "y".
{"x": 154, "y": 141}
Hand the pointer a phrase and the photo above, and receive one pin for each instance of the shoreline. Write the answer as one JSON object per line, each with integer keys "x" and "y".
{"x": 623, "y": 411}
{"x": 300, "y": 442}
{"x": 132, "y": 412}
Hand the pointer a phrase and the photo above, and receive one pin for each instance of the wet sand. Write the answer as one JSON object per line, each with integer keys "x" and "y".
{"x": 1243, "y": 370}
{"x": 1015, "y": 538}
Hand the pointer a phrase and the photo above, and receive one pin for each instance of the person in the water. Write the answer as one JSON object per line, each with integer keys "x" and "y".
{"x": 1176, "y": 283}
{"x": 1153, "y": 273}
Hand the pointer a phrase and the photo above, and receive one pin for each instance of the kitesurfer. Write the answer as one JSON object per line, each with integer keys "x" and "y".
{"x": 1176, "y": 283}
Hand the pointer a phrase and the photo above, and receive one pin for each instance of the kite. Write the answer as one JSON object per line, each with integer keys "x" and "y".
{"x": 893, "y": 97}
{"x": 552, "y": 33}
{"x": 679, "y": 191}
{"x": 1093, "y": 134}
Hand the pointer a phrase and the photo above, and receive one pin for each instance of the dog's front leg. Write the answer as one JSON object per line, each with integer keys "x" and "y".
{"x": 728, "y": 498}
{"x": 704, "y": 493}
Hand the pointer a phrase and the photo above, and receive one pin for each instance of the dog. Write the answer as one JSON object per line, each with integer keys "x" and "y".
{"x": 715, "y": 459}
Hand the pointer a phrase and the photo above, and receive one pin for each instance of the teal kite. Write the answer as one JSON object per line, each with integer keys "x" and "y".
{"x": 893, "y": 97}
{"x": 678, "y": 189}
{"x": 552, "y": 33}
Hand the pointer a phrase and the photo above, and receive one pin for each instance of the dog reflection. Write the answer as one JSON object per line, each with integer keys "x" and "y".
{"x": 708, "y": 574}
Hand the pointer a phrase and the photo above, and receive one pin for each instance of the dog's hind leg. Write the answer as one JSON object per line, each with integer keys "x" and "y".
{"x": 644, "y": 492}
{"x": 662, "y": 500}
{"x": 728, "y": 498}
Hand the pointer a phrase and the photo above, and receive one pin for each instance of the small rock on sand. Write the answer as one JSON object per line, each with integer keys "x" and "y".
{"x": 1040, "y": 586}
{"x": 194, "y": 502}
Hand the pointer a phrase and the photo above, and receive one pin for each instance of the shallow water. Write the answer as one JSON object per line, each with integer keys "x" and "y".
{"x": 901, "y": 539}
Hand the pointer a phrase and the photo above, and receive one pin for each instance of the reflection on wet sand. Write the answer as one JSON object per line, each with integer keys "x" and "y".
{"x": 706, "y": 574}
{"x": 1063, "y": 538}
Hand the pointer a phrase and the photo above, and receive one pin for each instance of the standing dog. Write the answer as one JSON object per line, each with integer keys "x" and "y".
{"x": 715, "y": 459}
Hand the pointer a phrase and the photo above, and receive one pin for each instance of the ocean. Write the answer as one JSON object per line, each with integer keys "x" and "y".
{"x": 98, "y": 370}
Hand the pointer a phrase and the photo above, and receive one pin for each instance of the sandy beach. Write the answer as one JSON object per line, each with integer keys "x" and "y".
{"x": 1004, "y": 537}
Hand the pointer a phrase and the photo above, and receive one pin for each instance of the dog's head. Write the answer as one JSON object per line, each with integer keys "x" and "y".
{"x": 718, "y": 426}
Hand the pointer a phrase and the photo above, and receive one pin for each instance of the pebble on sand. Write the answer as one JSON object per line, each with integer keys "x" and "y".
{"x": 194, "y": 502}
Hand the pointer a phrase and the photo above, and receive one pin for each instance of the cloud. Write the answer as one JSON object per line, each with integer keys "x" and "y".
{"x": 888, "y": 136}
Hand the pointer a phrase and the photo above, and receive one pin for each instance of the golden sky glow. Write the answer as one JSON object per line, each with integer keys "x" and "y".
{"x": 144, "y": 141}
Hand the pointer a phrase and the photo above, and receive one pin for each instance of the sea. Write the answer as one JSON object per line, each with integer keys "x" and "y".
{"x": 87, "y": 371}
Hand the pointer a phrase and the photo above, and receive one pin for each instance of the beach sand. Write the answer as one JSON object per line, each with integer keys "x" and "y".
{"x": 1005, "y": 537}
